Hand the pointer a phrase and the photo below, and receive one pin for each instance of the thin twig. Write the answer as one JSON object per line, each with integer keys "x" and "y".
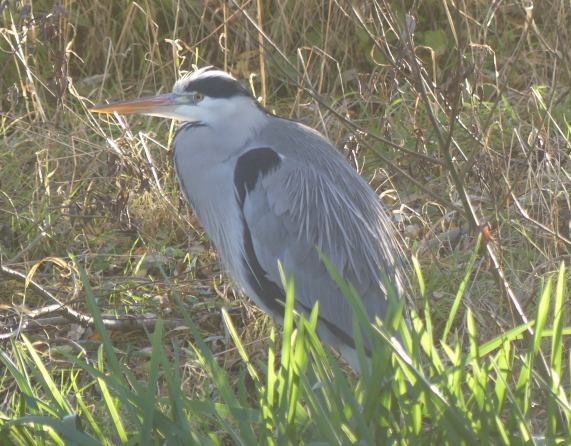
{"x": 468, "y": 210}
{"x": 261, "y": 55}
{"x": 70, "y": 313}
{"x": 540, "y": 225}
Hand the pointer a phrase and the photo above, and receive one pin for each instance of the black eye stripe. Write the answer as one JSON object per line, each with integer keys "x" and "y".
{"x": 216, "y": 87}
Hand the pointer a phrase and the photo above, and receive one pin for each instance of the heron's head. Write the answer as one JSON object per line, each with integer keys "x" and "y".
{"x": 207, "y": 96}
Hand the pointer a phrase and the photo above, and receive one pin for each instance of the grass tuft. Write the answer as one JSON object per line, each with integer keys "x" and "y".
{"x": 456, "y": 114}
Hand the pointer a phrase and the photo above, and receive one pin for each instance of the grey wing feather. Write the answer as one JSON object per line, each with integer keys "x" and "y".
{"x": 274, "y": 238}
{"x": 323, "y": 203}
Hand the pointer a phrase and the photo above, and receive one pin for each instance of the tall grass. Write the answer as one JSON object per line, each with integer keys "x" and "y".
{"x": 456, "y": 113}
{"x": 408, "y": 393}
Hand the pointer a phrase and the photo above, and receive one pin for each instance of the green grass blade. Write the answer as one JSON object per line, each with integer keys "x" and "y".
{"x": 120, "y": 372}
{"x": 542, "y": 315}
{"x": 45, "y": 378}
{"x": 418, "y": 274}
{"x": 22, "y": 381}
{"x": 461, "y": 289}
{"x": 109, "y": 401}
{"x": 240, "y": 347}
{"x": 507, "y": 336}
{"x": 86, "y": 415}
{"x": 148, "y": 407}
{"x": 556, "y": 362}
{"x": 267, "y": 398}
{"x": 523, "y": 386}
{"x": 177, "y": 399}
{"x": 65, "y": 430}
{"x": 503, "y": 363}
{"x": 217, "y": 375}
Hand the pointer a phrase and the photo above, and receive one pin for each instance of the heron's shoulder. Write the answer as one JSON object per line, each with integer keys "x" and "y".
{"x": 297, "y": 141}
{"x": 278, "y": 125}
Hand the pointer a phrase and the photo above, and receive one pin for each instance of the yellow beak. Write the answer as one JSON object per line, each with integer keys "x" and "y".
{"x": 145, "y": 105}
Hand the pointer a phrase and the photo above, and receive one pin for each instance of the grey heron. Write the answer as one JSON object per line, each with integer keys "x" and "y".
{"x": 269, "y": 189}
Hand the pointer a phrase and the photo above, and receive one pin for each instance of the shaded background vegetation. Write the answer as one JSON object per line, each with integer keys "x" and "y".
{"x": 457, "y": 114}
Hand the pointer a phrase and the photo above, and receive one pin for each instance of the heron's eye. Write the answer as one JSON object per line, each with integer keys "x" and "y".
{"x": 198, "y": 97}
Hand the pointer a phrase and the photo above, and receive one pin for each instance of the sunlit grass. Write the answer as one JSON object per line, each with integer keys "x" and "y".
{"x": 99, "y": 195}
{"x": 411, "y": 392}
